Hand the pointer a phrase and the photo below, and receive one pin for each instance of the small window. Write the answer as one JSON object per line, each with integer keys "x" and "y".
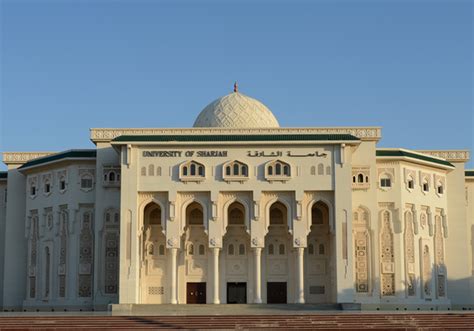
{"x": 385, "y": 182}
{"x": 236, "y": 169}
{"x": 281, "y": 249}
{"x": 231, "y": 249}
{"x": 62, "y": 184}
{"x": 321, "y": 249}
{"x": 241, "y": 249}
{"x": 201, "y": 250}
{"x": 278, "y": 169}
{"x": 270, "y": 249}
{"x": 270, "y": 170}
{"x": 320, "y": 169}
{"x": 310, "y": 249}
{"x": 86, "y": 182}
{"x": 426, "y": 187}
{"x": 440, "y": 189}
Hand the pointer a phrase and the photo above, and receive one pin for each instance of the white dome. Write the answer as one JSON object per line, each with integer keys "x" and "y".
{"x": 236, "y": 110}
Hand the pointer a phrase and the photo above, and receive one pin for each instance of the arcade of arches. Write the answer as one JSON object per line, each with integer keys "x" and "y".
{"x": 236, "y": 272}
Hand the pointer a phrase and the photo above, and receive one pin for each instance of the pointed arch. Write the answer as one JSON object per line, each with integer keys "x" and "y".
{"x": 289, "y": 212}
{"x": 225, "y": 210}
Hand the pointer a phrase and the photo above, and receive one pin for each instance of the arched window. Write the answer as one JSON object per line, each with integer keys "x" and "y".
{"x": 241, "y": 249}
{"x": 201, "y": 250}
{"x": 270, "y": 249}
{"x": 281, "y": 249}
{"x": 270, "y": 170}
{"x": 320, "y": 169}
{"x": 278, "y": 169}
{"x": 236, "y": 169}
{"x": 231, "y": 249}
{"x": 321, "y": 249}
{"x": 192, "y": 171}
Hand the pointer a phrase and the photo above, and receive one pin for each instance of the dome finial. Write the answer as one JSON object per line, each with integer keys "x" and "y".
{"x": 236, "y": 87}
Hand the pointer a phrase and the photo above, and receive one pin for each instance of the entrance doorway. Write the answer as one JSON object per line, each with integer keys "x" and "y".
{"x": 236, "y": 292}
{"x": 276, "y": 292}
{"x": 196, "y": 293}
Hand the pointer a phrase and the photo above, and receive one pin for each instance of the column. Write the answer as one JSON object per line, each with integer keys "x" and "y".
{"x": 215, "y": 252}
{"x": 174, "y": 253}
{"x": 258, "y": 281}
{"x": 300, "y": 276}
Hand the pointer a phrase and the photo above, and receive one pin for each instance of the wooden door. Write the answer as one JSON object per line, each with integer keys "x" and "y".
{"x": 196, "y": 293}
{"x": 276, "y": 292}
{"x": 236, "y": 292}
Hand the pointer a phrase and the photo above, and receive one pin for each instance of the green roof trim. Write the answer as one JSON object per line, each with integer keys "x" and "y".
{"x": 469, "y": 173}
{"x": 3, "y": 174}
{"x": 73, "y": 153}
{"x": 235, "y": 138}
{"x": 399, "y": 153}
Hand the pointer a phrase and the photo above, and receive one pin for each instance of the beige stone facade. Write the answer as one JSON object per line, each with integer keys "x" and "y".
{"x": 231, "y": 211}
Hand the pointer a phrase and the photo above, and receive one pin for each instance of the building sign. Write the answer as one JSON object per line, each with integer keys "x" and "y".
{"x": 224, "y": 154}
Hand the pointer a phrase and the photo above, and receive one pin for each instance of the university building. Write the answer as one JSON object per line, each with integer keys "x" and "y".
{"x": 237, "y": 209}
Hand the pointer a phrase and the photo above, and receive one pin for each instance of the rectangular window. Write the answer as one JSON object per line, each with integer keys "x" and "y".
{"x": 385, "y": 182}
{"x": 86, "y": 182}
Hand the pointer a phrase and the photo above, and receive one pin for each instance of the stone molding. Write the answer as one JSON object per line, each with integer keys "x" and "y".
{"x": 22, "y": 157}
{"x": 449, "y": 155}
{"x": 363, "y": 133}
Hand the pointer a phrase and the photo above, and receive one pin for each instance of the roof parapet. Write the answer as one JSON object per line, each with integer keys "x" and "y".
{"x": 107, "y": 135}
{"x": 18, "y": 158}
{"x": 456, "y": 155}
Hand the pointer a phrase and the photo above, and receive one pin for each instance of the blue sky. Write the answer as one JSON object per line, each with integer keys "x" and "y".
{"x": 67, "y": 66}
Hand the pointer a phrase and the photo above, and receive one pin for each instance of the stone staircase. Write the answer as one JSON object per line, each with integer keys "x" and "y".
{"x": 335, "y": 320}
